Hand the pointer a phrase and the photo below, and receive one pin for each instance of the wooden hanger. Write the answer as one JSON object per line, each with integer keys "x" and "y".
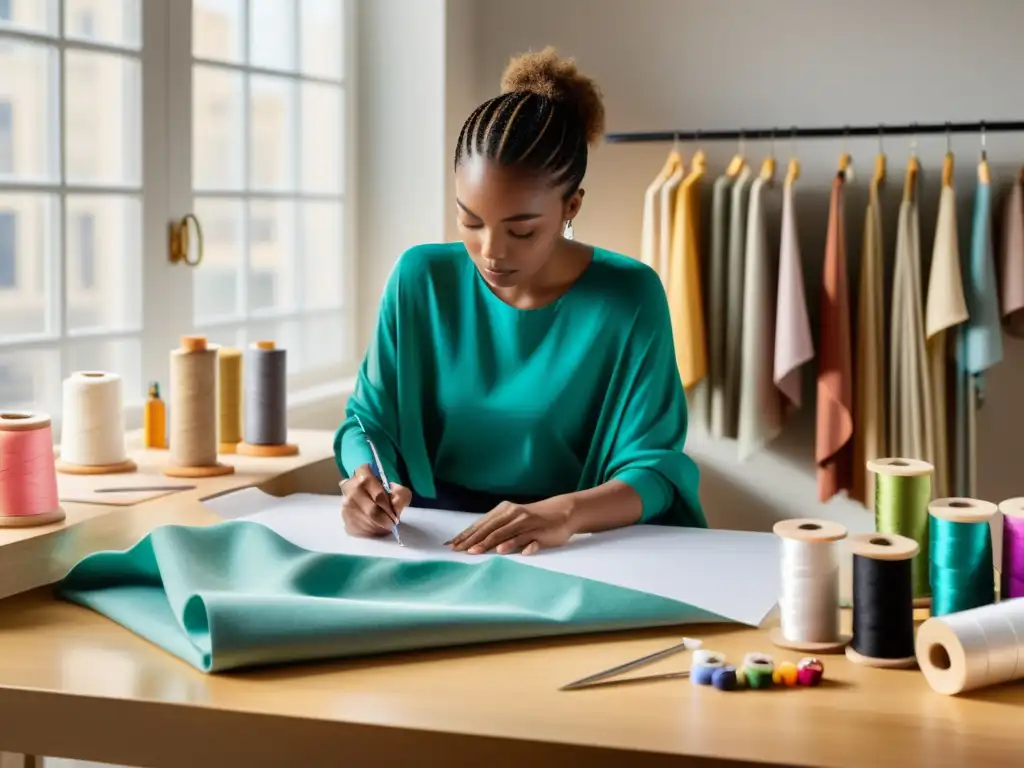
{"x": 984, "y": 174}
{"x": 792, "y": 170}
{"x": 913, "y": 170}
{"x": 768, "y": 169}
{"x": 699, "y": 161}
{"x": 737, "y": 162}
{"x": 845, "y": 161}
{"x": 879, "y": 176}
{"x": 947, "y": 170}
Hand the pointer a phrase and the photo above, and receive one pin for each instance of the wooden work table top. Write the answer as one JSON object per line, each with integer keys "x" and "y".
{"x": 75, "y": 684}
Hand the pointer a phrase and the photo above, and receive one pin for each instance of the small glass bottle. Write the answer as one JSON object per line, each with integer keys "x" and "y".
{"x": 154, "y": 420}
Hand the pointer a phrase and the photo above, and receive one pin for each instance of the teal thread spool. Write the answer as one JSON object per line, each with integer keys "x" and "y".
{"x": 961, "y": 568}
{"x": 903, "y": 490}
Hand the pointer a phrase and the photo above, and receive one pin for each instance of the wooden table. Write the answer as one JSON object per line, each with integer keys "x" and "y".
{"x": 74, "y": 684}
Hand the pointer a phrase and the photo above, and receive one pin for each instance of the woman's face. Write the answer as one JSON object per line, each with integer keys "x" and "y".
{"x": 510, "y": 221}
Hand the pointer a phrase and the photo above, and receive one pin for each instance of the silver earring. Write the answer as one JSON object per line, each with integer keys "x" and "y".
{"x": 568, "y": 234}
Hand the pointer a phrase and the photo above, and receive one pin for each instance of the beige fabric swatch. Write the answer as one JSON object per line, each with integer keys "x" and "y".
{"x": 1011, "y": 260}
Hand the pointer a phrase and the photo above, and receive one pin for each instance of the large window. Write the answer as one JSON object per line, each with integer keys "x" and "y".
{"x": 119, "y": 117}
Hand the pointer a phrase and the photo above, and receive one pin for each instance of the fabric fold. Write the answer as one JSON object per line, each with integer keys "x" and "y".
{"x": 869, "y": 432}
{"x": 667, "y": 206}
{"x": 238, "y": 595}
{"x": 760, "y": 418}
{"x": 734, "y": 300}
{"x": 718, "y": 302}
{"x": 794, "y": 346}
{"x": 686, "y": 302}
{"x": 833, "y": 444}
{"x": 910, "y": 428}
{"x": 1011, "y": 260}
{"x": 945, "y": 308}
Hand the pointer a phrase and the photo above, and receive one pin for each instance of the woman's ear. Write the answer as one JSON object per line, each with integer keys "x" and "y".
{"x": 573, "y": 205}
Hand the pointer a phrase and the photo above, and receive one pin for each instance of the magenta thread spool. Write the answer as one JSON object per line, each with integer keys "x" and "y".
{"x": 1012, "y": 572}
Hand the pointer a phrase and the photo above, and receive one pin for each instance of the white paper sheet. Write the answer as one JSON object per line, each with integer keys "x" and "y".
{"x": 733, "y": 574}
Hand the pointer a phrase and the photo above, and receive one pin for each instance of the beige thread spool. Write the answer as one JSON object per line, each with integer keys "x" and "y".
{"x": 229, "y": 398}
{"x": 93, "y": 434}
{"x": 193, "y": 438}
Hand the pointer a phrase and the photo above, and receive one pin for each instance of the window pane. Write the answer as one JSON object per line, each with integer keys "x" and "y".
{"x": 29, "y": 15}
{"x": 28, "y": 237}
{"x": 323, "y": 257}
{"x": 120, "y": 356}
{"x": 215, "y": 281}
{"x": 322, "y": 138}
{"x": 30, "y": 381}
{"x": 271, "y": 138}
{"x": 104, "y": 118}
{"x": 112, "y": 22}
{"x": 103, "y": 237}
{"x": 271, "y": 255}
{"x": 29, "y": 87}
{"x": 217, "y": 130}
{"x": 217, "y": 29}
{"x": 323, "y": 38}
{"x": 325, "y": 341}
{"x": 272, "y": 33}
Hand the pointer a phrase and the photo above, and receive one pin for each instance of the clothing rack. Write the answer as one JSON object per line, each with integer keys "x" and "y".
{"x": 881, "y": 130}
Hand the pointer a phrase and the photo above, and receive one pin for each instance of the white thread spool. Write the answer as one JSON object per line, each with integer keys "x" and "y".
{"x": 973, "y": 649}
{"x": 92, "y": 435}
{"x": 809, "y": 603}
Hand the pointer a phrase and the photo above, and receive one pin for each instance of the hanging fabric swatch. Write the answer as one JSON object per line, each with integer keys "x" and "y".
{"x": 685, "y": 301}
{"x": 649, "y": 253}
{"x": 760, "y": 415}
{"x": 734, "y": 300}
{"x": 869, "y": 412}
{"x": 833, "y": 445}
{"x": 1011, "y": 259}
{"x": 718, "y": 302}
{"x": 910, "y": 429}
{"x": 945, "y": 309}
{"x": 667, "y": 207}
{"x": 980, "y": 343}
{"x": 794, "y": 345}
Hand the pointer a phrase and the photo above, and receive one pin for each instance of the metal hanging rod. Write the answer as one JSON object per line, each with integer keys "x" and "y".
{"x": 909, "y": 129}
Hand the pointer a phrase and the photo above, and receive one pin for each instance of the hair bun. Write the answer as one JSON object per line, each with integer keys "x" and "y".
{"x": 558, "y": 79}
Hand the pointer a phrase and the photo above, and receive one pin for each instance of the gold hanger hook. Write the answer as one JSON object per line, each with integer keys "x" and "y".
{"x": 881, "y": 138}
{"x": 949, "y": 131}
{"x": 913, "y": 139}
{"x": 984, "y": 151}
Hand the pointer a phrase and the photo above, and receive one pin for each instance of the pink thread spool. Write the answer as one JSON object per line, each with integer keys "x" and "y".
{"x": 1012, "y": 572}
{"x": 28, "y": 474}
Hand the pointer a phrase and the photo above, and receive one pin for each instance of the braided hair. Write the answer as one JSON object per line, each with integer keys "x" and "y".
{"x": 544, "y": 120}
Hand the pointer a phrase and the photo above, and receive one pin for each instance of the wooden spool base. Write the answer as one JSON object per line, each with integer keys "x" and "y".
{"x": 213, "y": 470}
{"x": 274, "y": 451}
{"x": 228, "y": 448}
{"x": 29, "y": 521}
{"x": 781, "y": 641}
{"x": 922, "y": 602}
{"x": 100, "y": 469}
{"x": 858, "y": 658}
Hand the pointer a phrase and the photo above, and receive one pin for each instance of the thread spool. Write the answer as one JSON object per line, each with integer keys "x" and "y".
{"x": 903, "y": 490}
{"x": 1012, "y": 573}
{"x": 786, "y": 674}
{"x": 266, "y": 402}
{"x": 704, "y": 665}
{"x": 809, "y": 603}
{"x": 973, "y": 649}
{"x": 883, "y": 603}
{"x": 193, "y": 443}
{"x": 758, "y": 670}
{"x": 810, "y": 672}
{"x": 725, "y": 678}
{"x": 961, "y": 568}
{"x": 229, "y": 398}
{"x": 28, "y": 475}
{"x": 92, "y": 438}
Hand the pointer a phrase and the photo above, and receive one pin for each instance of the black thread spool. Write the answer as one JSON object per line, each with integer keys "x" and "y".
{"x": 266, "y": 406}
{"x": 883, "y": 601}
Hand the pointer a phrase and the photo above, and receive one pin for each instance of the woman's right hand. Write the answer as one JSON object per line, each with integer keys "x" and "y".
{"x": 366, "y": 507}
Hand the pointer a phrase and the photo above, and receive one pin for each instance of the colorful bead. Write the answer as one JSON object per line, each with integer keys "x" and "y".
{"x": 758, "y": 669}
{"x": 724, "y": 678}
{"x": 810, "y": 672}
{"x": 786, "y": 674}
{"x": 704, "y": 665}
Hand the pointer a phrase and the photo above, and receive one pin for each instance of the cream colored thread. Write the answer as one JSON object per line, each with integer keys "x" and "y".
{"x": 193, "y": 438}
{"x": 93, "y": 432}
{"x": 229, "y": 395}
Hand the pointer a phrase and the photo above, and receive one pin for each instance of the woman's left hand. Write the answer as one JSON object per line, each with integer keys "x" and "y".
{"x": 510, "y": 528}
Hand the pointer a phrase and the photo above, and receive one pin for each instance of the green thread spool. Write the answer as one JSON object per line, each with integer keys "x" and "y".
{"x": 903, "y": 490}
{"x": 961, "y": 567}
{"x": 758, "y": 670}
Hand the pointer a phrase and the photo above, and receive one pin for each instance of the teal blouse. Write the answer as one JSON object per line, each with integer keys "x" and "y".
{"x": 471, "y": 401}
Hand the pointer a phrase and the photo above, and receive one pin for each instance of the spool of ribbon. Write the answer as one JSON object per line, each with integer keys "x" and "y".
{"x": 704, "y": 665}
{"x": 92, "y": 434}
{"x": 883, "y": 605}
{"x": 809, "y": 603}
{"x": 28, "y": 476}
{"x": 758, "y": 670}
{"x": 1012, "y": 572}
{"x": 193, "y": 438}
{"x": 962, "y": 569}
{"x": 903, "y": 490}
{"x": 266, "y": 402}
{"x": 973, "y": 649}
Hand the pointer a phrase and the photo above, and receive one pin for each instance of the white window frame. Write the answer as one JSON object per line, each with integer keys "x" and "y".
{"x": 166, "y": 194}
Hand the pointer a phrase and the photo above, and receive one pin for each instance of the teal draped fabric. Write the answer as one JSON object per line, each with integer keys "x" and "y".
{"x": 236, "y": 594}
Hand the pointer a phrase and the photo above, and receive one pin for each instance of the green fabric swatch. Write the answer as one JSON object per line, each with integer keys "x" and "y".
{"x": 236, "y": 594}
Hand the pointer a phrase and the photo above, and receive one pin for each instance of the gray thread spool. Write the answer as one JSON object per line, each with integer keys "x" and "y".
{"x": 266, "y": 404}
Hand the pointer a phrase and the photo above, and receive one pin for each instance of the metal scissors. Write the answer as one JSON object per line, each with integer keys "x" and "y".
{"x": 601, "y": 678}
